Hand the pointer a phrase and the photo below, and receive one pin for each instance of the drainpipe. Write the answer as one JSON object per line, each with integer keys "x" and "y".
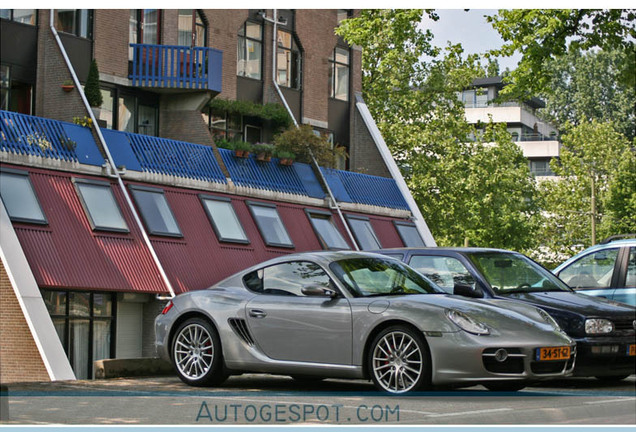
{"x": 291, "y": 114}
{"x": 111, "y": 167}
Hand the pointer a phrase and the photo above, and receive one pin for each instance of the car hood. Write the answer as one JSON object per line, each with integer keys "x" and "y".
{"x": 581, "y": 304}
{"x": 503, "y": 317}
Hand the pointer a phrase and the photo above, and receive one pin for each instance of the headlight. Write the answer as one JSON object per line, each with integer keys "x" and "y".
{"x": 598, "y": 326}
{"x": 548, "y": 318}
{"x": 466, "y": 323}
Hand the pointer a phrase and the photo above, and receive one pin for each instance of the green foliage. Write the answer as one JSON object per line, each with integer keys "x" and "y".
{"x": 588, "y": 86}
{"x": 588, "y": 159}
{"x": 543, "y": 34}
{"x": 272, "y": 112}
{"x": 263, "y": 148}
{"x": 282, "y": 154}
{"x": 91, "y": 89}
{"x": 243, "y": 146}
{"x": 302, "y": 142}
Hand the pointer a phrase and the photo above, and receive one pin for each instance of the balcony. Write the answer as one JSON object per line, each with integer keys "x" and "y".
{"x": 176, "y": 67}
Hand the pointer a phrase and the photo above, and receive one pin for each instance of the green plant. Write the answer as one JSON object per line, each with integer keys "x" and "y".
{"x": 225, "y": 144}
{"x": 302, "y": 141}
{"x": 91, "y": 89}
{"x": 67, "y": 143}
{"x": 68, "y": 82}
{"x": 282, "y": 154}
{"x": 40, "y": 140}
{"x": 243, "y": 146}
{"x": 263, "y": 148}
{"x": 83, "y": 121}
{"x": 271, "y": 112}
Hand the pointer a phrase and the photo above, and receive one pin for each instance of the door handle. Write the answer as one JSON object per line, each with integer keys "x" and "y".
{"x": 257, "y": 313}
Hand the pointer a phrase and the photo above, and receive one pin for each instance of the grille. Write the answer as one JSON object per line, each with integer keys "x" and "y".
{"x": 625, "y": 324}
{"x": 240, "y": 328}
{"x": 547, "y": 367}
{"x": 512, "y": 365}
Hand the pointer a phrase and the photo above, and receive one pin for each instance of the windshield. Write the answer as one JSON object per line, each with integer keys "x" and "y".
{"x": 366, "y": 277}
{"x": 514, "y": 273}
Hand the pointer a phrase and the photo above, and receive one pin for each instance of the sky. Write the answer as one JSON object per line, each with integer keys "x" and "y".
{"x": 470, "y": 29}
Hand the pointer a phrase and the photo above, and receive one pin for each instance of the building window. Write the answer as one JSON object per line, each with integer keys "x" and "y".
{"x": 155, "y": 211}
{"x": 270, "y": 224}
{"x": 540, "y": 167}
{"x": 24, "y": 16}
{"x": 409, "y": 234}
{"x": 134, "y": 115}
{"x": 15, "y": 96}
{"x": 224, "y": 220}
{"x": 475, "y": 98}
{"x": 19, "y": 197}
{"x": 193, "y": 29}
{"x": 84, "y": 323}
{"x": 100, "y": 205}
{"x": 343, "y": 14}
{"x": 288, "y": 60}
{"x": 339, "y": 74}
{"x": 328, "y": 234}
{"x": 363, "y": 232}
{"x": 78, "y": 22}
{"x": 233, "y": 127}
{"x": 144, "y": 27}
{"x": 250, "y": 50}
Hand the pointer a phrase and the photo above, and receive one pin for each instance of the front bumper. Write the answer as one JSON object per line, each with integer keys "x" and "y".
{"x": 462, "y": 358}
{"x": 605, "y": 356}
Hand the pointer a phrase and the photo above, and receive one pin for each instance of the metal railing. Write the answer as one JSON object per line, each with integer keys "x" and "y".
{"x": 173, "y": 66}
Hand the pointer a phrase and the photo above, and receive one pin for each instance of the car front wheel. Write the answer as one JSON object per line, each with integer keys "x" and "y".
{"x": 196, "y": 353}
{"x": 398, "y": 360}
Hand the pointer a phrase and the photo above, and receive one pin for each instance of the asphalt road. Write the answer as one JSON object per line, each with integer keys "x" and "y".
{"x": 265, "y": 399}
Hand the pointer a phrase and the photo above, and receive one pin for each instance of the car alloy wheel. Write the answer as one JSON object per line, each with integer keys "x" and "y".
{"x": 398, "y": 360}
{"x": 196, "y": 353}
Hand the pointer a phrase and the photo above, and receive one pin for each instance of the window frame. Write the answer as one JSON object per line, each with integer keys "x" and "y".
{"x": 196, "y": 14}
{"x": 355, "y": 234}
{"x": 79, "y": 181}
{"x": 25, "y": 174}
{"x": 242, "y": 45}
{"x": 12, "y": 17}
{"x": 396, "y": 224}
{"x": 332, "y": 284}
{"x": 294, "y": 84}
{"x": 139, "y": 188}
{"x": 203, "y": 198}
{"x": 333, "y": 67}
{"x": 329, "y": 216}
{"x": 250, "y": 206}
{"x": 77, "y": 18}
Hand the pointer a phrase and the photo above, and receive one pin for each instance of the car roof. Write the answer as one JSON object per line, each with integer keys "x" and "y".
{"x": 461, "y": 250}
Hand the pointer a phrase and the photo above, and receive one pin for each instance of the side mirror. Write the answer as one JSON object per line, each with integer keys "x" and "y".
{"x": 466, "y": 290}
{"x": 318, "y": 291}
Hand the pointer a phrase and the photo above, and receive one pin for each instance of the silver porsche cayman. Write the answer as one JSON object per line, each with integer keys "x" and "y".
{"x": 357, "y": 315}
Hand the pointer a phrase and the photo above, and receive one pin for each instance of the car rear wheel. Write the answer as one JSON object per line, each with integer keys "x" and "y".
{"x": 399, "y": 360}
{"x": 196, "y": 353}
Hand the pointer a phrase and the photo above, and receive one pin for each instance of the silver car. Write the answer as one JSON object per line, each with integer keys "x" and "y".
{"x": 357, "y": 315}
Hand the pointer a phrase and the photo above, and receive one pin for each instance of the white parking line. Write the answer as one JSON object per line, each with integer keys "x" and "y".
{"x": 625, "y": 399}
{"x": 487, "y": 411}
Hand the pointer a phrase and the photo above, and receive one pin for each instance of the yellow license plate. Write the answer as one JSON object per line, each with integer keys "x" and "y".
{"x": 632, "y": 350}
{"x": 553, "y": 353}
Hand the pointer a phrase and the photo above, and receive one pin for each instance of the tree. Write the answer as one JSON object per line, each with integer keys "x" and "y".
{"x": 464, "y": 188}
{"x": 592, "y": 187}
{"x": 588, "y": 86}
{"x": 92, "y": 91}
{"x": 541, "y": 35}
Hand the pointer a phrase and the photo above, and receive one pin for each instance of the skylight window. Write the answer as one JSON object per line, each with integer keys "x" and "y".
{"x": 155, "y": 211}
{"x": 224, "y": 220}
{"x": 327, "y": 233}
{"x": 19, "y": 197}
{"x": 100, "y": 206}
{"x": 409, "y": 234}
{"x": 363, "y": 232}
{"x": 270, "y": 225}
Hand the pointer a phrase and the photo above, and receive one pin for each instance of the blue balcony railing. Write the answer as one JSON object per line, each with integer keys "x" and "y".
{"x": 36, "y": 136}
{"x": 169, "y": 66}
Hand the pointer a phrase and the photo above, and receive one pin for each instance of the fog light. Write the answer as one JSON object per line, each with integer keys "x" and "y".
{"x": 605, "y": 349}
{"x": 501, "y": 355}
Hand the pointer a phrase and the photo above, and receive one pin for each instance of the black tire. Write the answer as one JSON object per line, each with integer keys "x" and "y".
{"x": 196, "y": 353}
{"x": 505, "y": 386}
{"x": 612, "y": 378}
{"x": 399, "y": 361}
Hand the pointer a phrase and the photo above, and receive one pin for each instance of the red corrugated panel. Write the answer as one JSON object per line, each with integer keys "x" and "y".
{"x": 67, "y": 254}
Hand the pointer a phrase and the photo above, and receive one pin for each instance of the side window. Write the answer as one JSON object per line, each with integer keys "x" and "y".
{"x": 287, "y": 279}
{"x": 409, "y": 234}
{"x": 224, "y": 219}
{"x": 19, "y": 197}
{"x": 327, "y": 233}
{"x": 270, "y": 225}
{"x": 444, "y": 271}
{"x": 363, "y": 232}
{"x": 593, "y": 270}
{"x": 100, "y": 205}
{"x": 630, "y": 281}
{"x": 155, "y": 211}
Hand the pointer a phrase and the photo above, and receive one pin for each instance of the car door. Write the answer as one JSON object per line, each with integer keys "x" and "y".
{"x": 289, "y": 325}
{"x": 625, "y": 292}
{"x": 593, "y": 273}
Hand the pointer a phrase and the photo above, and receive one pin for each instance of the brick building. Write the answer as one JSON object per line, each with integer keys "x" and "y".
{"x": 97, "y": 223}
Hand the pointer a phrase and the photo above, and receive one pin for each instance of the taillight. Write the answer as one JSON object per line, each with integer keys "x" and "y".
{"x": 167, "y": 308}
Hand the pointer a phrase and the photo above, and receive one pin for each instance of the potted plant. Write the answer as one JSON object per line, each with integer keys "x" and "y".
{"x": 68, "y": 85}
{"x": 92, "y": 91}
{"x": 242, "y": 149}
{"x": 285, "y": 157}
{"x": 224, "y": 144}
{"x": 263, "y": 151}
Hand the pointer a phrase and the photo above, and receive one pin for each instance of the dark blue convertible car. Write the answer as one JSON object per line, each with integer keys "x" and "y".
{"x": 604, "y": 330}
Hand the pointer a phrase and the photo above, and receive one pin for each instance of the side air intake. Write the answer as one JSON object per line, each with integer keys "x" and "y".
{"x": 240, "y": 328}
